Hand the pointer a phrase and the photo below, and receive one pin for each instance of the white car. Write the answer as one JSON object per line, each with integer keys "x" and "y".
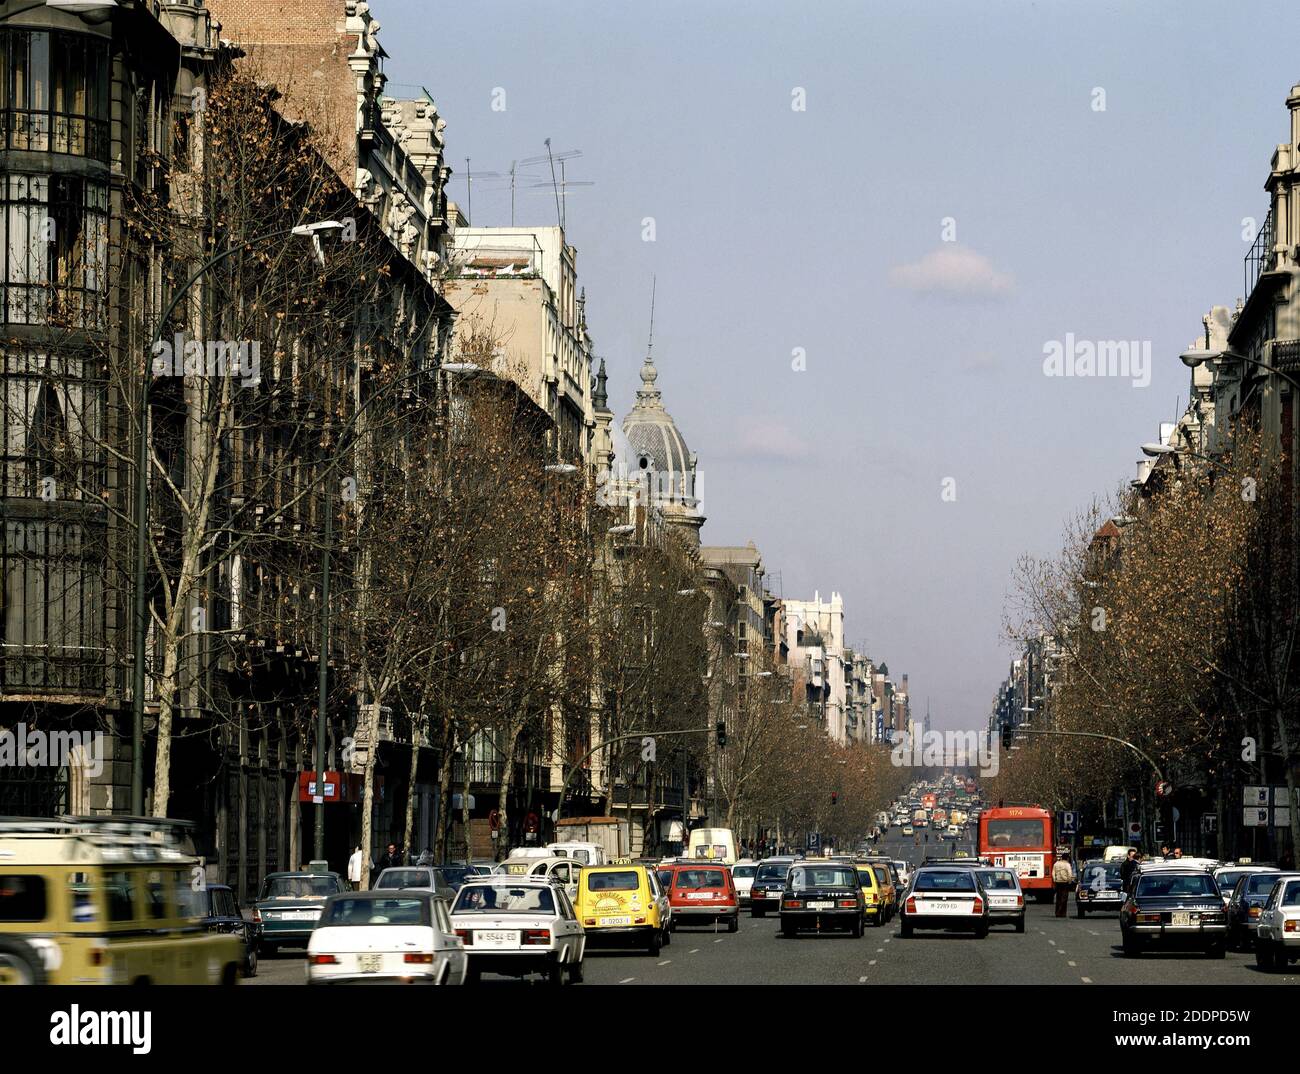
{"x": 1277, "y": 934}
{"x": 742, "y": 875}
{"x": 394, "y": 936}
{"x": 516, "y": 925}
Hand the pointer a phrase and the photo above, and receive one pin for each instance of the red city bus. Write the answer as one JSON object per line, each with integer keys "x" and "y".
{"x": 1020, "y": 838}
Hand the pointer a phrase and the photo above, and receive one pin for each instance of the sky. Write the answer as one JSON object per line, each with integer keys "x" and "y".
{"x": 964, "y": 184}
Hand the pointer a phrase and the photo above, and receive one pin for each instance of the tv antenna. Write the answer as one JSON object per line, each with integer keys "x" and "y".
{"x": 469, "y": 188}
{"x": 650, "y": 345}
{"x": 559, "y": 186}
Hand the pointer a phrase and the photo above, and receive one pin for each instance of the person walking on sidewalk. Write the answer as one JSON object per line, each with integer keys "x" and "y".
{"x": 354, "y": 869}
{"x": 1062, "y": 880}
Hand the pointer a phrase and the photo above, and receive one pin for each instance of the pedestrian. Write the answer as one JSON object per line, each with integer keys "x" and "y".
{"x": 391, "y": 859}
{"x": 1164, "y": 852}
{"x": 1129, "y": 867}
{"x": 1178, "y": 853}
{"x": 426, "y": 857}
{"x": 1063, "y": 881}
{"x": 354, "y": 869}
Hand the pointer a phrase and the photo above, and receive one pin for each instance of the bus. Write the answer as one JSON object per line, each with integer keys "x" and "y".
{"x": 1020, "y": 838}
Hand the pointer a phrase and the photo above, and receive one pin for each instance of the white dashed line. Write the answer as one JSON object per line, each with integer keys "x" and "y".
{"x": 669, "y": 962}
{"x": 627, "y": 980}
{"x": 1086, "y": 980}
{"x": 879, "y": 950}
{"x": 719, "y": 940}
{"x": 693, "y": 951}
{"x": 1091, "y": 933}
{"x": 1059, "y": 951}
{"x": 862, "y": 980}
{"x": 872, "y": 962}
{"x": 1052, "y": 942}
{"x": 1071, "y": 963}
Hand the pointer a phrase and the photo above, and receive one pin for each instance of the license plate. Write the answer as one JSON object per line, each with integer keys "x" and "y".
{"x": 496, "y": 939}
{"x": 370, "y": 963}
{"x": 1181, "y": 918}
{"x": 616, "y": 921}
{"x": 940, "y": 906}
{"x": 698, "y": 895}
{"x": 302, "y": 915}
{"x": 821, "y": 906}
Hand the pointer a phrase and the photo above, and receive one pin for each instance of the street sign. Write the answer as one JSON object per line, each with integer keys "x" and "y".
{"x": 1135, "y": 832}
{"x": 1281, "y": 816}
{"x": 1209, "y": 823}
{"x": 1070, "y": 822}
{"x": 814, "y": 840}
{"x": 1255, "y": 817}
{"x": 1254, "y": 796}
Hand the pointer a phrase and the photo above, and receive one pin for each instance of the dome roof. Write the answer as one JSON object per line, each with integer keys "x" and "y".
{"x": 657, "y": 445}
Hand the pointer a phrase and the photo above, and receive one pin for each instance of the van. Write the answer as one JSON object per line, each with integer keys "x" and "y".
{"x": 713, "y": 844}
{"x": 1114, "y": 854}
{"x": 623, "y": 906}
{"x": 584, "y": 853}
{"x": 106, "y": 900}
{"x": 556, "y": 867}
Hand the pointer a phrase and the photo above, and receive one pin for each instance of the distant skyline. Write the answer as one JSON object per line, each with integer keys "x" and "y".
{"x": 825, "y": 233}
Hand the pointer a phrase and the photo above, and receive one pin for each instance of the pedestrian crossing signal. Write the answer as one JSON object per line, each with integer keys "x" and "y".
{"x": 722, "y": 733}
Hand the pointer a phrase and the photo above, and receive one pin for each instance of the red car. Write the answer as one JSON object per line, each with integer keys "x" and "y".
{"x": 702, "y": 895}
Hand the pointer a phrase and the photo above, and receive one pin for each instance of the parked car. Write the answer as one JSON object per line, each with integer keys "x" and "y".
{"x": 289, "y": 906}
{"x": 1245, "y": 904}
{"x": 822, "y": 895}
{"x": 1277, "y": 936}
{"x": 703, "y": 894}
{"x": 769, "y": 882}
{"x": 945, "y": 897}
{"x": 385, "y": 936}
{"x": 742, "y": 875}
{"x": 517, "y": 925}
{"x": 1174, "y": 907}
{"x": 1006, "y": 899}
{"x": 415, "y": 877}
{"x": 623, "y": 905}
{"x": 224, "y": 915}
{"x": 1100, "y": 887}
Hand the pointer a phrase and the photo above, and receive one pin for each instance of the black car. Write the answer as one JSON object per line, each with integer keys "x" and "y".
{"x": 1174, "y": 908}
{"x": 1245, "y": 905}
{"x": 1100, "y": 887}
{"x": 224, "y": 915}
{"x": 822, "y": 895}
{"x": 769, "y": 882}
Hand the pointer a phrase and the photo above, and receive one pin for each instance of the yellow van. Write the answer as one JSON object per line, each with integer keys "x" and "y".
{"x": 622, "y": 905}
{"x": 105, "y": 900}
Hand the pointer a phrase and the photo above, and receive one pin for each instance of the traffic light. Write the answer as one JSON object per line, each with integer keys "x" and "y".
{"x": 1007, "y": 734}
{"x": 722, "y": 733}
{"x": 835, "y": 797}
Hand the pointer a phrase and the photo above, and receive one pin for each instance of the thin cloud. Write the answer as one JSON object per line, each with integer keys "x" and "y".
{"x": 953, "y": 272}
{"x": 771, "y": 441}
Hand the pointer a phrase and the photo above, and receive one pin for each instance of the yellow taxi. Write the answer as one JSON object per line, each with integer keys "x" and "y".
{"x": 873, "y": 910}
{"x": 622, "y": 905}
{"x": 106, "y": 900}
{"x": 885, "y": 886}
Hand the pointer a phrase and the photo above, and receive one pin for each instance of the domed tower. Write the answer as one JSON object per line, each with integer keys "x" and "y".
{"x": 660, "y": 460}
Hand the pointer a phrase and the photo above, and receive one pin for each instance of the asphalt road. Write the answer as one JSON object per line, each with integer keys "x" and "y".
{"x": 1051, "y": 951}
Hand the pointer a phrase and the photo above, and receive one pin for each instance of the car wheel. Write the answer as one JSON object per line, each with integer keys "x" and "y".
{"x": 734, "y": 924}
{"x": 575, "y": 973}
{"x": 1217, "y": 950}
{"x": 250, "y": 962}
{"x": 858, "y": 930}
{"x": 759, "y": 913}
{"x": 1132, "y": 946}
{"x": 652, "y": 947}
{"x": 788, "y": 931}
{"x": 20, "y": 962}
{"x": 1263, "y": 956}
{"x": 555, "y": 972}
{"x": 668, "y": 933}
{"x": 672, "y": 925}
{"x": 1079, "y": 911}
{"x": 905, "y": 929}
{"x": 981, "y": 931}
{"x": 1020, "y": 923}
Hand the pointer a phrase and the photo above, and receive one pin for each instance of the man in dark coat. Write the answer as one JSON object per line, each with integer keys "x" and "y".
{"x": 1129, "y": 867}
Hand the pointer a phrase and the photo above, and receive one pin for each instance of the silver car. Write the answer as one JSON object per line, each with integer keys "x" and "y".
{"x": 1277, "y": 932}
{"x": 415, "y": 878}
{"x": 1006, "y": 899}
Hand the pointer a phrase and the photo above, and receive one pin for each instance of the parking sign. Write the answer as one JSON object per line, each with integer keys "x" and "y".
{"x": 1070, "y": 822}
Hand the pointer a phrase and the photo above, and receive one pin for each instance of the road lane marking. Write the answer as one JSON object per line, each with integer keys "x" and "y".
{"x": 1052, "y": 942}
{"x": 1071, "y": 963}
{"x": 627, "y": 980}
{"x": 720, "y": 940}
{"x": 879, "y": 950}
{"x": 1059, "y": 951}
{"x": 1094, "y": 933}
{"x": 669, "y": 961}
{"x": 1086, "y": 980}
{"x": 872, "y": 962}
{"x": 693, "y": 951}
{"x": 862, "y": 980}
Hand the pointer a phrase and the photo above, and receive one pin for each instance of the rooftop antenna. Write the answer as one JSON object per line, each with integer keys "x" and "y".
{"x": 557, "y": 185}
{"x": 650, "y": 345}
{"x": 558, "y": 215}
{"x": 469, "y": 188}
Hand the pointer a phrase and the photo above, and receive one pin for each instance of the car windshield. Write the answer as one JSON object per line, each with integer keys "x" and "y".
{"x": 1016, "y": 833}
{"x": 1260, "y": 883}
{"x": 620, "y": 881}
{"x": 300, "y": 887}
{"x": 823, "y": 876}
{"x": 999, "y": 880}
{"x": 954, "y": 880}
{"x": 1159, "y": 885}
{"x": 503, "y": 899}
{"x": 743, "y": 872}
{"x": 454, "y": 874}
{"x": 1101, "y": 877}
{"x": 882, "y": 874}
{"x": 867, "y": 875}
{"x": 1228, "y": 881}
{"x": 404, "y": 878}
{"x": 699, "y": 878}
{"x": 774, "y": 871}
{"x": 364, "y": 911}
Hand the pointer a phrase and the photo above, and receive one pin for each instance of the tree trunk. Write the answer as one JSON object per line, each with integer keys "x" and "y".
{"x": 408, "y": 829}
{"x": 368, "y": 793}
{"x": 1284, "y": 742}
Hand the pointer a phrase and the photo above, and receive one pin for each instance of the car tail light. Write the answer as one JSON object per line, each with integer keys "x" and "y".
{"x": 911, "y": 904}
{"x": 323, "y": 960}
{"x": 98, "y": 956}
{"x": 1149, "y": 918}
{"x": 1254, "y": 911}
{"x": 423, "y": 958}
{"x": 467, "y": 935}
{"x": 850, "y": 903}
{"x": 588, "y": 920}
{"x": 791, "y": 904}
{"x": 639, "y": 921}
{"x": 977, "y": 907}
{"x": 257, "y": 916}
{"x": 872, "y": 898}
{"x": 538, "y": 936}
{"x": 1289, "y": 926}
{"x": 1020, "y": 900}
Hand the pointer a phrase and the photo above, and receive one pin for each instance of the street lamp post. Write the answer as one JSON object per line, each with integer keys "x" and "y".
{"x": 1192, "y": 359}
{"x": 140, "y": 579}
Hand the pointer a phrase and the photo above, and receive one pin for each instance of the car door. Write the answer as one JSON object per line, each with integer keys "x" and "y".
{"x": 568, "y": 928}
{"x": 449, "y": 948}
{"x": 567, "y": 874}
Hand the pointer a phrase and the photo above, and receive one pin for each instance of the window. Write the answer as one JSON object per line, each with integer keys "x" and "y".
{"x": 389, "y": 911}
{"x": 120, "y": 893}
{"x": 156, "y": 896}
{"x": 502, "y": 899}
{"x": 1016, "y": 833}
{"x": 946, "y": 881}
{"x": 54, "y": 93}
{"x": 22, "y": 897}
{"x": 617, "y": 881}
